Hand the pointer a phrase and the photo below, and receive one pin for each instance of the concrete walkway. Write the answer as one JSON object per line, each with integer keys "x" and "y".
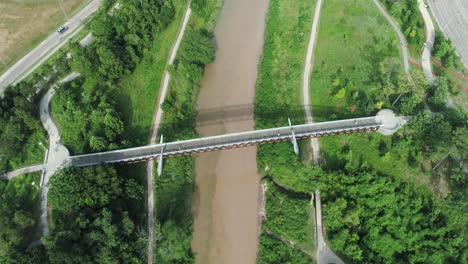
{"x": 57, "y": 152}
{"x": 314, "y": 143}
{"x": 154, "y": 133}
{"x": 430, "y": 36}
{"x": 426, "y": 55}
{"x": 324, "y": 254}
{"x": 401, "y": 37}
{"x": 13, "y": 174}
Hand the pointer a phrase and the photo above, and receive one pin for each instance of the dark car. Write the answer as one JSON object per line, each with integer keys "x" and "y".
{"x": 62, "y": 29}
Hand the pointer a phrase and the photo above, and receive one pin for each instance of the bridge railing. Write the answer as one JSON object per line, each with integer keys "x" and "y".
{"x": 226, "y": 141}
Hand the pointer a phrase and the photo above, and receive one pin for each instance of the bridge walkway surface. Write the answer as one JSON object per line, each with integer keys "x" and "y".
{"x": 385, "y": 121}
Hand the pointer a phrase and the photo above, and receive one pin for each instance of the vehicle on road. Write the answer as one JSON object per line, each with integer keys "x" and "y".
{"x": 62, "y": 29}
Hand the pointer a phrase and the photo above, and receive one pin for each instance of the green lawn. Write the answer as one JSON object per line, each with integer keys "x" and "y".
{"x": 353, "y": 39}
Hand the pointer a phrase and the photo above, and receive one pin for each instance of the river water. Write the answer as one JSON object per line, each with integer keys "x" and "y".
{"x": 227, "y": 183}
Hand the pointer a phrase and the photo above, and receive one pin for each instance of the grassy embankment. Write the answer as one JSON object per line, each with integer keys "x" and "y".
{"x": 277, "y": 98}
{"x": 174, "y": 188}
{"x": 363, "y": 174}
{"x": 26, "y": 23}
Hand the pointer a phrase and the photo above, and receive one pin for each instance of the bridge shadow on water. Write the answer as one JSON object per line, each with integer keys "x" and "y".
{"x": 276, "y": 115}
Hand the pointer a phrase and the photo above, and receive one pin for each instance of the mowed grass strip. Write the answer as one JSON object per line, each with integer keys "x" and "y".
{"x": 24, "y": 24}
{"x": 284, "y": 51}
{"x": 352, "y": 42}
{"x": 139, "y": 91}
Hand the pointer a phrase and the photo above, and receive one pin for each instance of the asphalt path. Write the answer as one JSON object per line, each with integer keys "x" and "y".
{"x": 452, "y": 17}
{"x": 154, "y": 134}
{"x": 46, "y": 48}
{"x": 13, "y": 174}
{"x": 430, "y": 36}
{"x": 401, "y": 37}
{"x": 314, "y": 143}
{"x": 57, "y": 152}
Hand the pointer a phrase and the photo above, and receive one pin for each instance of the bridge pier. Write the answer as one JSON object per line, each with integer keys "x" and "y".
{"x": 160, "y": 160}
{"x": 293, "y": 140}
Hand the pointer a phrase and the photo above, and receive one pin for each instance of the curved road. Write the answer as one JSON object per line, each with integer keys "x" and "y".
{"x": 401, "y": 37}
{"x": 314, "y": 143}
{"x": 46, "y": 48}
{"x": 57, "y": 152}
{"x": 154, "y": 132}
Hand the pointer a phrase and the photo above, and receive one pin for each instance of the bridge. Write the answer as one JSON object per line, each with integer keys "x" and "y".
{"x": 385, "y": 122}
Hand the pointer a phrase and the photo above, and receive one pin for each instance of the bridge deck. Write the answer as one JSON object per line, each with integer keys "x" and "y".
{"x": 228, "y": 141}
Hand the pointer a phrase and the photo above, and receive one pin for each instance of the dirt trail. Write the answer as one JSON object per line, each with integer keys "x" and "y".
{"x": 226, "y": 198}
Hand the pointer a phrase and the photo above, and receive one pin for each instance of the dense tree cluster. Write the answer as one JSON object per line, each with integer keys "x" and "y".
{"x": 373, "y": 218}
{"x": 444, "y": 51}
{"x": 20, "y": 128}
{"x": 19, "y": 123}
{"x": 121, "y": 38}
{"x": 411, "y": 23}
{"x": 96, "y": 217}
{"x": 88, "y": 118}
{"x": 18, "y": 200}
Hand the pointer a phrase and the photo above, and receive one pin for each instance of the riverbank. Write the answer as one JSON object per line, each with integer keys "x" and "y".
{"x": 174, "y": 188}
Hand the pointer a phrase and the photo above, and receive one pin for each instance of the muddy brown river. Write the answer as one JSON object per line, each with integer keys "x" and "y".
{"x": 226, "y": 197}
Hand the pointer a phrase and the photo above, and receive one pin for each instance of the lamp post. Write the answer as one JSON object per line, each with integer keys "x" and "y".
{"x": 42, "y": 145}
{"x": 34, "y": 184}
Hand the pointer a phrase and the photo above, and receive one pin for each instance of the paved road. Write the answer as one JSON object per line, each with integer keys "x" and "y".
{"x": 154, "y": 133}
{"x": 401, "y": 37}
{"x": 452, "y": 17}
{"x": 314, "y": 143}
{"x": 46, "y": 48}
{"x": 13, "y": 174}
{"x": 57, "y": 152}
{"x": 430, "y": 36}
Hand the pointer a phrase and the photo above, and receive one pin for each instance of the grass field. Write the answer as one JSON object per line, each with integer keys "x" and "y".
{"x": 353, "y": 39}
{"x": 25, "y": 23}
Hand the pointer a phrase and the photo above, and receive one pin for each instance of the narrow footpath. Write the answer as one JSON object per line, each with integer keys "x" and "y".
{"x": 29, "y": 169}
{"x": 428, "y": 45}
{"x": 314, "y": 143}
{"x": 401, "y": 37}
{"x": 57, "y": 152}
{"x": 154, "y": 133}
